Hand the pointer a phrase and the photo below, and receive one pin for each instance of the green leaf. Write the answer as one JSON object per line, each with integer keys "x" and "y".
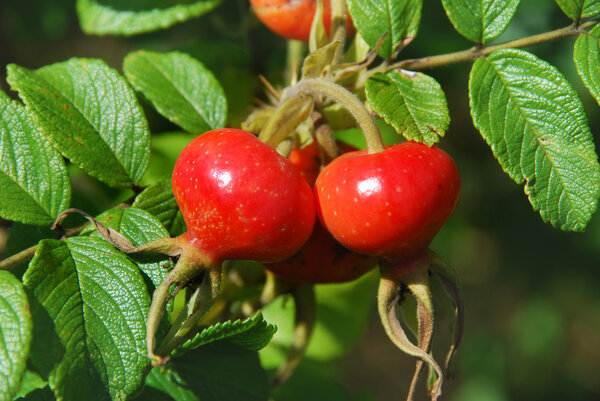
{"x": 41, "y": 394}
{"x": 253, "y": 333}
{"x": 139, "y": 227}
{"x": 179, "y": 87}
{"x": 219, "y": 371}
{"x": 587, "y": 60}
{"x": 413, "y": 103}
{"x": 114, "y": 17}
{"x": 399, "y": 19}
{"x": 159, "y": 201}
{"x": 33, "y": 177}
{"x": 31, "y": 382}
{"x": 92, "y": 116}
{"x": 577, "y": 9}
{"x": 15, "y": 334}
{"x": 480, "y": 20}
{"x": 89, "y": 304}
{"x": 536, "y": 126}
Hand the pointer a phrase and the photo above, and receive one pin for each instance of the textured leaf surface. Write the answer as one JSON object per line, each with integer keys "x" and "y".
{"x": 15, "y": 334}
{"x": 33, "y": 177}
{"x": 587, "y": 60}
{"x": 480, "y": 20}
{"x": 253, "y": 333}
{"x": 398, "y": 18}
{"x": 114, "y": 17}
{"x": 139, "y": 227}
{"x": 577, "y": 9}
{"x": 413, "y": 103}
{"x": 536, "y": 126}
{"x": 219, "y": 371}
{"x": 89, "y": 304}
{"x": 92, "y": 116}
{"x": 159, "y": 201}
{"x": 179, "y": 87}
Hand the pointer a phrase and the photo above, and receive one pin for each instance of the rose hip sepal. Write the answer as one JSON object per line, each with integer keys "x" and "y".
{"x": 391, "y": 204}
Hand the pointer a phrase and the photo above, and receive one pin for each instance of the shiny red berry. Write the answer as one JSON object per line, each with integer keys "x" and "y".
{"x": 240, "y": 199}
{"x": 391, "y": 203}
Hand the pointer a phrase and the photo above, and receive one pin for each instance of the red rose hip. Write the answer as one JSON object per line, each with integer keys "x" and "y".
{"x": 240, "y": 199}
{"x": 390, "y": 203}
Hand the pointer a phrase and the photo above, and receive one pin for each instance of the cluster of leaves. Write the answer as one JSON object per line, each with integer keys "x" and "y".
{"x": 73, "y": 327}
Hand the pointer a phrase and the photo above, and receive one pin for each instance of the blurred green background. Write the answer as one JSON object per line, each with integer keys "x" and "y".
{"x": 532, "y": 328}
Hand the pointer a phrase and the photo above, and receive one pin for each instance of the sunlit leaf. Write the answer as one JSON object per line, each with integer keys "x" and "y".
{"x": 398, "y": 19}
{"x": 114, "y": 17}
{"x": 33, "y": 177}
{"x": 535, "y": 124}
{"x": 413, "y": 103}
{"x": 587, "y": 60}
{"x": 90, "y": 114}
{"x": 179, "y": 87}
{"x": 89, "y": 304}
{"x": 480, "y": 20}
{"x": 15, "y": 334}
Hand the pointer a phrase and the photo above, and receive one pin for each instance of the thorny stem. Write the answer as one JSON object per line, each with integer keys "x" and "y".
{"x": 475, "y": 52}
{"x": 318, "y": 87}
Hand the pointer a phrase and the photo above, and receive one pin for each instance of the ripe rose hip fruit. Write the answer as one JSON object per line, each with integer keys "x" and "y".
{"x": 240, "y": 199}
{"x": 292, "y": 19}
{"x": 391, "y": 203}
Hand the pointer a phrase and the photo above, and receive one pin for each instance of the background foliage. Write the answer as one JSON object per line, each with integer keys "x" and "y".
{"x": 532, "y": 319}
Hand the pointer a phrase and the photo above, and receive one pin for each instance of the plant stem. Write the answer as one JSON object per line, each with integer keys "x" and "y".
{"x": 18, "y": 258}
{"x": 475, "y": 52}
{"x": 318, "y": 87}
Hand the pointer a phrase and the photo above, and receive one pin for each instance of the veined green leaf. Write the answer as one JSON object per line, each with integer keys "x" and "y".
{"x": 399, "y": 19}
{"x": 33, "y": 177}
{"x": 90, "y": 114}
{"x": 89, "y": 304}
{"x": 413, "y": 103}
{"x": 219, "y": 371}
{"x": 577, "y": 9}
{"x": 158, "y": 200}
{"x": 480, "y": 20}
{"x": 15, "y": 334}
{"x": 139, "y": 227}
{"x": 587, "y": 60}
{"x": 536, "y": 126}
{"x": 253, "y": 333}
{"x": 179, "y": 87}
{"x": 114, "y": 17}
